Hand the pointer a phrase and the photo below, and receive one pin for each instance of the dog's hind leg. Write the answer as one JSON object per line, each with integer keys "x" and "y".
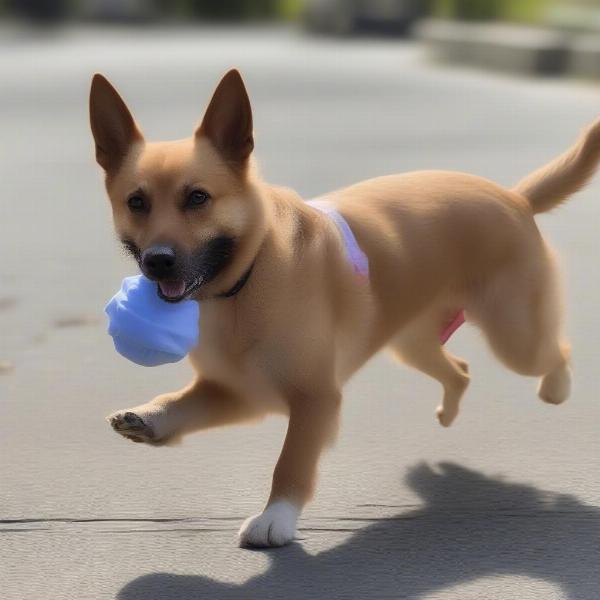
{"x": 520, "y": 314}
{"x": 418, "y": 345}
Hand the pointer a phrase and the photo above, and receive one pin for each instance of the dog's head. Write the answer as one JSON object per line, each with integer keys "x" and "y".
{"x": 189, "y": 211}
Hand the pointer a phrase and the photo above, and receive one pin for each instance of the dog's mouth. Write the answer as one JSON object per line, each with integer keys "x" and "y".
{"x": 177, "y": 290}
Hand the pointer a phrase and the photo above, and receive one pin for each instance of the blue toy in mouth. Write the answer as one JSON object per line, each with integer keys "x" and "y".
{"x": 150, "y": 331}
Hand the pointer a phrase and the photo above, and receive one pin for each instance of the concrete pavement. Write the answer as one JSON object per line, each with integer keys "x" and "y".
{"x": 514, "y": 511}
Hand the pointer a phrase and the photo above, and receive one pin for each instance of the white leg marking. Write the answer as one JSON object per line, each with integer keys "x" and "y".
{"x": 275, "y": 526}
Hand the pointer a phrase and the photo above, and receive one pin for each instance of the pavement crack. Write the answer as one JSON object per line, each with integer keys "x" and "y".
{"x": 94, "y": 520}
{"x": 117, "y": 524}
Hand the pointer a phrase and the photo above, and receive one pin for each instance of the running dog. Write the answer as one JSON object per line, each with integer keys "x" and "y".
{"x": 287, "y": 318}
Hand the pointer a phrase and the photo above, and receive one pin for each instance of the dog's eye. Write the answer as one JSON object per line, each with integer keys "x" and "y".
{"x": 137, "y": 203}
{"x": 196, "y": 198}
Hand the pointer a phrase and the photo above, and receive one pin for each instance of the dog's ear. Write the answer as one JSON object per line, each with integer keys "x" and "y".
{"x": 113, "y": 127}
{"x": 227, "y": 122}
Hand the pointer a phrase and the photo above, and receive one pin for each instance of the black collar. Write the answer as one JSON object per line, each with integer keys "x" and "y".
{"x": 241, "y": 282}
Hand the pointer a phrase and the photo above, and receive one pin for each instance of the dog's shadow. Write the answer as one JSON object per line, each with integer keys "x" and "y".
{"x": 470, "y": 526}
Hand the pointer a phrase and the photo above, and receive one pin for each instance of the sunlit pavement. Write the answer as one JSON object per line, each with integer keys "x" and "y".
{"x": 515, "y": 510}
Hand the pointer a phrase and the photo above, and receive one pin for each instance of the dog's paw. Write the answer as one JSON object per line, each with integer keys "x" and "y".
{"x": 445, "y": 416}
{"x": 556, "y": 386}
{"x": 132, "y": 427}
{"x": 275, "y": 526}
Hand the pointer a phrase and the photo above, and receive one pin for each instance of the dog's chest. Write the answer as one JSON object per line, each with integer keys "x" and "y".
{"x": 234, "y": 350}
{"x": 223, "y": 332}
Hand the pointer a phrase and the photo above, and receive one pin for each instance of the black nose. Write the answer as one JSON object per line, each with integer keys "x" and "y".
{"x": 158, "y": 262}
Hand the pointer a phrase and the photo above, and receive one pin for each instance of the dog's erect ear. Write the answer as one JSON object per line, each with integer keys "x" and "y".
{"x": 113, "y": 127}
{"x": 227, "y": 122}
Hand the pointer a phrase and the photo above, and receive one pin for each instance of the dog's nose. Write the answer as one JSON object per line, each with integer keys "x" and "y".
{"x": 158, "y": 262}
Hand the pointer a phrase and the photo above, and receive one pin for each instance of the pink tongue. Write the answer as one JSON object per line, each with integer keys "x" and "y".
{"x": 172, "y": 289}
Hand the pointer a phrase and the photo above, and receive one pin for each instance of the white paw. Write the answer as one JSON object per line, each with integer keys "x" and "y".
{"x": 275, "y": 526}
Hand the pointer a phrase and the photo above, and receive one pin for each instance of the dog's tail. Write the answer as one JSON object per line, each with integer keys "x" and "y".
{"x": 553, "y": 183}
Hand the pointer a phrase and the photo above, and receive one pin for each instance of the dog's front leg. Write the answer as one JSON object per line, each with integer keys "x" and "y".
{"x": 311, "y": 427}
{"x": 163, "y": 420}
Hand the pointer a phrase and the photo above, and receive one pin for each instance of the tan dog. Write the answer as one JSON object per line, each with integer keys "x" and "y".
{"x": 285, "y": 320}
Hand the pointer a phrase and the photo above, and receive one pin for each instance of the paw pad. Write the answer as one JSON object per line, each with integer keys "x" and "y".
{"x": 131, "y": 426}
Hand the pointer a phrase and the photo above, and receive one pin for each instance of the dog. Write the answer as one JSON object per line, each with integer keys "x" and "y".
{"x": 286, "y": 320}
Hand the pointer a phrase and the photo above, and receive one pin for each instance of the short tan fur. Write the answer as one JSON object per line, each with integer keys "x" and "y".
{"x": 304, "y": 322}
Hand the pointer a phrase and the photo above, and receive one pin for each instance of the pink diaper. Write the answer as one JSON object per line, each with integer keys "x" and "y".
{"x": 452, "y": 326}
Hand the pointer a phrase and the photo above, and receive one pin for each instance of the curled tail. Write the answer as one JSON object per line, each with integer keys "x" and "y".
{"x": 553, "y": 183}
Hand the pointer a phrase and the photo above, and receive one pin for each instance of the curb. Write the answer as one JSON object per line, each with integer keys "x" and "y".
{"x": 584, "y": 60}
{"x": 515, "y": 49}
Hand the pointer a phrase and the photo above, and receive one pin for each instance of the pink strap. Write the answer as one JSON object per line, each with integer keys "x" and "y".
{"x": 452, "y": 326}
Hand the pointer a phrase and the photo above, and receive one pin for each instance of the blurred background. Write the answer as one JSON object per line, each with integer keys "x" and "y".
{"x": 334, "y": 16}
{"x": 341, "y": 91}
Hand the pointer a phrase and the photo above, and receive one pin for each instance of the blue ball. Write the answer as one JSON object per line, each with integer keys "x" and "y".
{"x": 148, "y": 330}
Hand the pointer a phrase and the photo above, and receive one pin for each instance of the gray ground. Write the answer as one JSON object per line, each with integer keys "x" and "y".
{"x": 505, "y": 504}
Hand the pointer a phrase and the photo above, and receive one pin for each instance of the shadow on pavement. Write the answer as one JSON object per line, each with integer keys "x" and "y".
{"x": 470, "y": 526}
